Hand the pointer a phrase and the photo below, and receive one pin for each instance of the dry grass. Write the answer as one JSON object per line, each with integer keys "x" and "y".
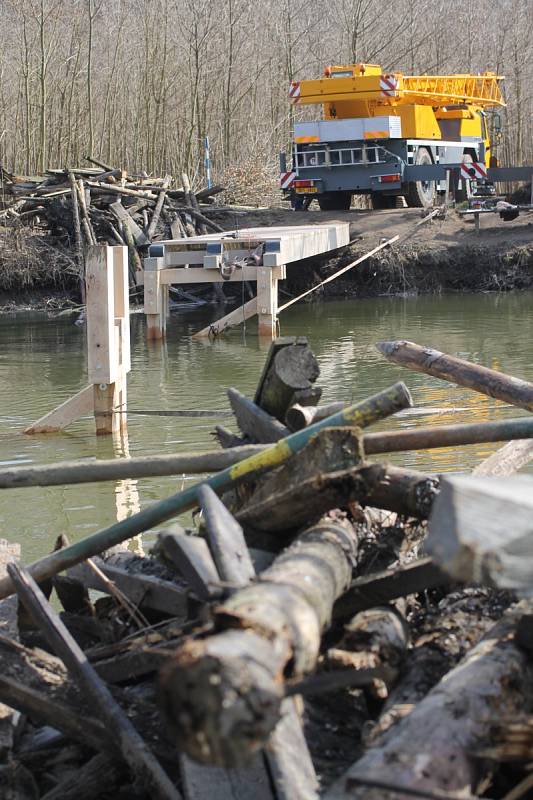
{"x": 251, "y": 184}
{"x": 28, "y": 259}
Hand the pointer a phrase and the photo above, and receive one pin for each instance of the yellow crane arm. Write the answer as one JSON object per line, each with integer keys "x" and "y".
{"x": 395, "y": 89}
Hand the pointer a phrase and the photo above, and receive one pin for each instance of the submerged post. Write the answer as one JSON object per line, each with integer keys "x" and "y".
{"x": 267, "y": 302}
{"x": 108, "y": 340}
{"x": 108, "y": 347}
{"x": 155, "y": 299}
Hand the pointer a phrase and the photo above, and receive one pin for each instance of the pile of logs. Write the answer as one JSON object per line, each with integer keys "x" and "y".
{"x": 102, "y": 204}
{"x": 331, "y": 626}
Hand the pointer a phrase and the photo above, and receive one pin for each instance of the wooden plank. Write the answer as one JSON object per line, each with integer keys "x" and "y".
{"x": 122, "y": 305}
{"x": 77, "y": 406}
{"x": 253, "y": 421}
{"x": 102, "y": 353}
{"x": 226, "y": 539}
{"x": 201, "y": 782}
{"x": 381, "y": 587}
{"x": 124, "y": 737}
{"x": 201, "y": 275}
{"x": 191, "y": 556}
{"x": 145, "y": 590}
{"x": 236, "y": 317}
{"x": 267, "y": 302}
{"x": 480, "y": 531}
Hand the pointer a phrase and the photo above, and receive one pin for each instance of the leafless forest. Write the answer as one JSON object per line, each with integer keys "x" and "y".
{"x": 140, "y": 82}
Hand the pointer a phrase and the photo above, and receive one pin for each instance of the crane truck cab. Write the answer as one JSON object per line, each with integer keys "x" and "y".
{"x": 379, "y": 130}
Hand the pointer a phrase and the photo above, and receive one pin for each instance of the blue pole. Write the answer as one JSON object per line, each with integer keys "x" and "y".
{"x": 207, "y": 162}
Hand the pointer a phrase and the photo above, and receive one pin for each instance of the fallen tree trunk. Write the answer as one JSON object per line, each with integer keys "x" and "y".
{"x": 328, "y": 474}
{"x": 457, "y": 370}
{"x": 433, "y": 747}
{"x": 222, "y": 694}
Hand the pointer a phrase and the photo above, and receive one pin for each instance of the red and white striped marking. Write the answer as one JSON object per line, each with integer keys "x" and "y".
{"x": 286, "y": 180}
{"x": 294, "y": 92}
{"x": 473, "y": 170}
{"x": 388, "y": 85}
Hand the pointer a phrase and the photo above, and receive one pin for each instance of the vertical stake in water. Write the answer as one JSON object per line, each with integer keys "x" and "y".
{"x": 207, "y": 162}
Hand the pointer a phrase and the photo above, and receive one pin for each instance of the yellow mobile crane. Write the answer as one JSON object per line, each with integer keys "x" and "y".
{"x": 379, "y": 130}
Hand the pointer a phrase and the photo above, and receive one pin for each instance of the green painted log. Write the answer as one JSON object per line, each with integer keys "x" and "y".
{"x": 361, "y": 414}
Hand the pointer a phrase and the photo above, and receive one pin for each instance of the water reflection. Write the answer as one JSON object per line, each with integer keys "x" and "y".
{"x": 42, "y": 363}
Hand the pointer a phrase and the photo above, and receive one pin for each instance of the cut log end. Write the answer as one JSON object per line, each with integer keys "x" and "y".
{"x": 222, "y": 706}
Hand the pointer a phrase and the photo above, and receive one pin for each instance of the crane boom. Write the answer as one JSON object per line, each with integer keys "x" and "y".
{"x": 366, "y": 82}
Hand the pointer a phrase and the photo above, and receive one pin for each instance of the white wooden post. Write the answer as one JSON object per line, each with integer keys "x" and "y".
{"x": 267, "y": 301}
{"x": 155, "y": 299}
{"x": 108, "y": 340}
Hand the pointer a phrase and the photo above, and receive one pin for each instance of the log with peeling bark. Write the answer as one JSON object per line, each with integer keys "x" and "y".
{"x": 222, "y": 694}
{"x": 434, "y": 747}
{"x": 487, "y": 381}
{"x": 328, "y": 473}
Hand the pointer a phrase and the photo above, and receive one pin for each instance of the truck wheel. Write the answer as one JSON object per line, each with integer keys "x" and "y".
{"x": 421, "y": 194}
{"x": 335, "y": 201}
{"x": 380, "y": 201}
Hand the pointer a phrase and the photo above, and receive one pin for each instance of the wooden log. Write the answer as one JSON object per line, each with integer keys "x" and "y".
{"x": 235, "y": 317}
{"x": 459, "y": 371}
{"x": 86, "y": 219}
{"x": 84, "y": 471}
{"x": 288, "y": 377}
{"x": 448, "y": 435}
{"x": 123, "y": 735}
{"x": 191, "y": 556}
{"x": 78, "y": 246}
{"x": 108, "y": 188}
{"x": 507, "y": 460}
{"x": 368, "y": 411}
{"x": 94, "y": 779}
{"x": 480, "y": 531}
{"x": 222, "y": 695}
{"x": 253, "y": 421}
{"x": 148, "y": 591}
{"x": 377, "y": 637}
{"x": 328, "y": 474}
{"x": 433, "y": 748}
{"x": 286, "y": 752}
{"x": 140, "y": 238}
{"x": 381, "y": 587}
{"x": 226, "y": 539}
{"x": 202, "y": 219}
{"x": 158, "y": 208}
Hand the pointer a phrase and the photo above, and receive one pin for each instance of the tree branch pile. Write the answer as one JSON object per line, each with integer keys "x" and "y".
{"x": 329, "y": 626}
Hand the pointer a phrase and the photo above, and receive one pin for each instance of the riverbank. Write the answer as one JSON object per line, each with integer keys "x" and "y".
{"x": 443, "y": 256}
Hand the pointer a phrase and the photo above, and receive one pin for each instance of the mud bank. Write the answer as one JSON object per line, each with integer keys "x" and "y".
{"x": 445, "y": 255}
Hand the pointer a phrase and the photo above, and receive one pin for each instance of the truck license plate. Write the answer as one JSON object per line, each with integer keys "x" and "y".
{"x": 307, "y": 190}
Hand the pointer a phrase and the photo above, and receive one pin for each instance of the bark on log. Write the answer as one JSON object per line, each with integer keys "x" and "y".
{"x": 328, "y": 473}
{"x": 459, "y": 371}
{"x": 290, "y": 371}
{"x": 434, "y": 747}
{"x": 299, "y": 417}
{"x": 222, "y": 694}
{"x": 507, "y": 460}
{"x": 158, "y": 207}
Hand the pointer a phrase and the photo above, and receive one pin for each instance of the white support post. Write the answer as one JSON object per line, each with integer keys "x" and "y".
{"x": 108, "y": 339}
{"x": 108, "y": 347}
{"x": 155, "y": 299}
{"x": 267, "y": 302}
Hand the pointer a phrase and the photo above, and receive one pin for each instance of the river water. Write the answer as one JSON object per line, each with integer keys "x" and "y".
{"x": 42, "y": 363}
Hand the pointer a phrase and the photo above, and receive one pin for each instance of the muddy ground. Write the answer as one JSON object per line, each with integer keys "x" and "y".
{"x": 444, "y": 255}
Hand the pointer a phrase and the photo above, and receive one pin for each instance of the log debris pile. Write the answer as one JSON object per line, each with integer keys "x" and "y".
{"x": 331, "y": 627}
{"x": 101, "y": 204}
